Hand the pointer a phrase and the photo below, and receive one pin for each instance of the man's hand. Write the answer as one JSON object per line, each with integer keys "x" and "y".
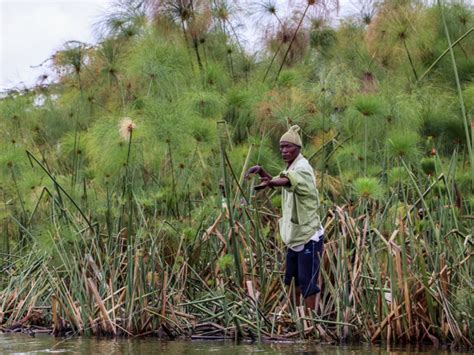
{"x": 264, "y": 183}
{"x": 256, "y": 169}
{"x": 265, "y": 178}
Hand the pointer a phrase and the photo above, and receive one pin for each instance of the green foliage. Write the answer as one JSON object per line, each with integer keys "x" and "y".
{"x": 402, "y": 110}
{"x": 351, "y": 48}
{"x": 159, "y": 66}
{"x": 465, "y": 182}
{"x": 226, "y": 262}
{"x": 364, "y": 122}
{"x": 368, "y": 105}
{"x": 107, "y": 151}
{"x": 442, "y": 121}
{"x": 368, "y": 188}
{"x": 215, "y": 76}
{"x": 366, "y": 110}
{"x": 123, "y": 20}
{"x": 459, "y": 18}
{"x": 403, "y": 144}
{"x": 469, "y": 204}
{"x": 239, "y": 104}
{"x": 322, "y": 37}
{"x": 145, "y": 215}
{"x": 337, "y": 87}
{"x": 397, "y": 176}
{"x": 464, "y": 304}
{"x": 266, "y": 154}
{"x": 72, "y": 58}
{"x": 428, "y": 165}
{"x": 276, "y": 201}
{"x": 289, "y": 78}
{"x": 207, "y": 104}
{"x": 469, "y": 98}
{"x": 353, "y": 85}
{"x": 350, "y": 156}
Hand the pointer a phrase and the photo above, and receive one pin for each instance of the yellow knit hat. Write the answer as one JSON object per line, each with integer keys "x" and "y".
{"x": 292, "y": 136}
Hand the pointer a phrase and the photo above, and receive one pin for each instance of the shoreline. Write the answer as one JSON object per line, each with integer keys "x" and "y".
{"x": 161, "y": 335}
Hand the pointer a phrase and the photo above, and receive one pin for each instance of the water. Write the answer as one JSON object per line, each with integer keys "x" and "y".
{"x": 45, "y": 344}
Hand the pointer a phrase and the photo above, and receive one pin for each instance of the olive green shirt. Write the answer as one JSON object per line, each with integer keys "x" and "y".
{"x": 300, "y": 204}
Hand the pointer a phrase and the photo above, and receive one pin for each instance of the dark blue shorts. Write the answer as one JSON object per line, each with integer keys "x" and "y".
{"x": 304, "y": 267}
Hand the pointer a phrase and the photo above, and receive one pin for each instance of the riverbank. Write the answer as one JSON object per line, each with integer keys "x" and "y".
{"x": 374, "y": 287}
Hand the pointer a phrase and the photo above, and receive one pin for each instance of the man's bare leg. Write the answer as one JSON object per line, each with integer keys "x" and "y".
{"x": 295, "y": 301}
{"x": 310, "y": 302}
{"x": 298, "y": 295}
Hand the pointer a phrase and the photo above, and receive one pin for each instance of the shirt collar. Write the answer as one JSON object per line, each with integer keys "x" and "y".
{"x": 292, "y": 166}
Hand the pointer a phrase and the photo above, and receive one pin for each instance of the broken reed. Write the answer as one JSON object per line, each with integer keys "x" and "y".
{"x": 389, "y": 273}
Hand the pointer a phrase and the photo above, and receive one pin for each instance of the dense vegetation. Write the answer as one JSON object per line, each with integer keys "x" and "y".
{"x": 111, "y": 216}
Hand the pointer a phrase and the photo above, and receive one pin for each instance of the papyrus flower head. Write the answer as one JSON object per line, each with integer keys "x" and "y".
{"x": 126, "y": 126}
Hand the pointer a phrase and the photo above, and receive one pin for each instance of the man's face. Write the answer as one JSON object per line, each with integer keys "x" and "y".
{"x": 289, "y": 151}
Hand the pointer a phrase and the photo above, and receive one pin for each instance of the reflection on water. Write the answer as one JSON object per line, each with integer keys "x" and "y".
{"x": 44, "y": 344}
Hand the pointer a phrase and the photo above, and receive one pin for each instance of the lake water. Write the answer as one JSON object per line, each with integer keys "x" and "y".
{"x": 45, "y": 344}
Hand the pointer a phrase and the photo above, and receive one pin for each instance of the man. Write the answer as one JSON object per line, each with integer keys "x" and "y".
{"x": 300, "y": 225}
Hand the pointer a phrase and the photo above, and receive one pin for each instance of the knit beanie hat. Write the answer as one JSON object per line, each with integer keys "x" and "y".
{"x": 292, "y": 136}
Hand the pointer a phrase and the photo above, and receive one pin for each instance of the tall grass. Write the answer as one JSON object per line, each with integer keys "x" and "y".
{"x": 385, "y": 276}
{"x": 145, "y": 243}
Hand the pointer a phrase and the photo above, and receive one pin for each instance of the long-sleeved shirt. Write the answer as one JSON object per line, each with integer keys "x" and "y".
{"x": 300, "y": 204}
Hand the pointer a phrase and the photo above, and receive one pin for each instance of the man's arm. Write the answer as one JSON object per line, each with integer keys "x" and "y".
{"x": 266, "y": 179}
{"x": 276, "y": 182}
{"x": 257, "y": 169}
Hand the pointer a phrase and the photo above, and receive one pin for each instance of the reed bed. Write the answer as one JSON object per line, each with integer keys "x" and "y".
{"x": 409, "y": 283}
